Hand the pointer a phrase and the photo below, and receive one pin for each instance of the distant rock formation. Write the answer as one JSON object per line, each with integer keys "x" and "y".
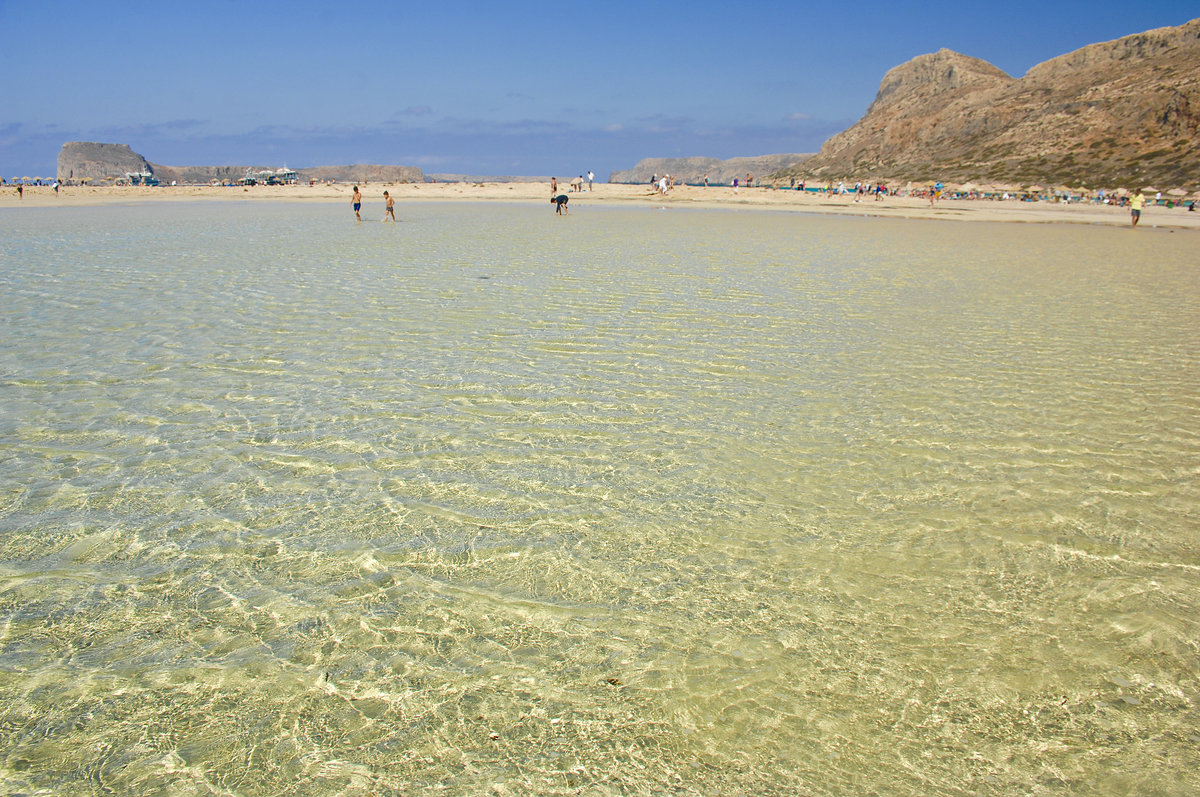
{"x": 719, "y": 172}
{"x": 1119, "y": 113}
{"x": 94, "y": 162}
{"x": 364, "y": 173}
{"x": 488, "y": 178}
{"x": 201, "y": 175}
{"x": 87, "y": 160}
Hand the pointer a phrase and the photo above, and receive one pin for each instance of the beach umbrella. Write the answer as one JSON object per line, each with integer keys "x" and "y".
{"x": 1177, "y": 192}
{"x": 1150, "y": 189}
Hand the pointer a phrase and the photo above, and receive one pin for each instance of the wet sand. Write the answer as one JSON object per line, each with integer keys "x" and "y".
{"x": 606, "y": 193}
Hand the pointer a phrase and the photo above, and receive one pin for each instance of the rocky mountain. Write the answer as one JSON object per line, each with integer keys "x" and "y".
{"x": 719, "y": 172}
{"x": 87, "y": 160}
{"x": 1119, "y": 113}
{"x": 97, "y": 163}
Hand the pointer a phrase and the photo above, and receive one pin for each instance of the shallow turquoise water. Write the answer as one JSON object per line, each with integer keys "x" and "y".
{"x": 628, "y": 502}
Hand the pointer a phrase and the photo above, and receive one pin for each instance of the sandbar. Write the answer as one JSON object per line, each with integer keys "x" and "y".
{"x": 757, "y": 198}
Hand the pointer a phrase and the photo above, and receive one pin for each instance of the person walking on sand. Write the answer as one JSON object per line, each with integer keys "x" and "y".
{"x": 356, "y": 201}
{"x": 553, "y": 186}
{"x": 591, "y": 177}
{"x": 1135, "y": 207}
{"x": 391, "y": 207}
{"x": 560, "y": 204}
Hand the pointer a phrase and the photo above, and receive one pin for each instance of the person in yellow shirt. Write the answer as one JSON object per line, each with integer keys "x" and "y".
{"x": 1135, "y": 207}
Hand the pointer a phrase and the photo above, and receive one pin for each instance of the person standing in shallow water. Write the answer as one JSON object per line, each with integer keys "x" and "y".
{"x": 356, "y": 201}
{"x": 391, "y": 207}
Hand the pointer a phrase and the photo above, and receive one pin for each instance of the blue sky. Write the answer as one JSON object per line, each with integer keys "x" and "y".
{"x": 489, "y": 87}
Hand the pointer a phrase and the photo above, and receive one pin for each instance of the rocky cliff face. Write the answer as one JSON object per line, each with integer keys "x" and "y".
{"x": 87, "y": 160}
{"x": 1125, "y": 112}
{"x": 693, "y": 170}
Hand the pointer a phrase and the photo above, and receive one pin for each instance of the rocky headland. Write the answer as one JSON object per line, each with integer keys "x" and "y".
{"x": 89, "y": 161}
{"x": 1118, "y": 113}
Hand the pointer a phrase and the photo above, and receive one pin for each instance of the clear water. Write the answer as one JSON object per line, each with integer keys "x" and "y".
{"x": 628, "y": 502}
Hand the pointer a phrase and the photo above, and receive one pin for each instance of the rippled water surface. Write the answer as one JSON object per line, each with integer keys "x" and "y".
{"x": 630, "y": 502}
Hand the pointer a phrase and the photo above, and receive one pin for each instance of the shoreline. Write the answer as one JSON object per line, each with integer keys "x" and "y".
{"x": 759, "y": 198}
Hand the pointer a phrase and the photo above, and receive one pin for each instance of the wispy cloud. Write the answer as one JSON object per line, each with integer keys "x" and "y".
{"x": 418, "y": 136}
{"x": 141, "y": 130}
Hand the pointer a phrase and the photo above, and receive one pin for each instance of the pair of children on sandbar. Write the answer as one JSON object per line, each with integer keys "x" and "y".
{"x": 356, "y": 201}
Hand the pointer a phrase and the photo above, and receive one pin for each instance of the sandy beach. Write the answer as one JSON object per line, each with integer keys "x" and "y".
{"x": 759, "y": 198}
